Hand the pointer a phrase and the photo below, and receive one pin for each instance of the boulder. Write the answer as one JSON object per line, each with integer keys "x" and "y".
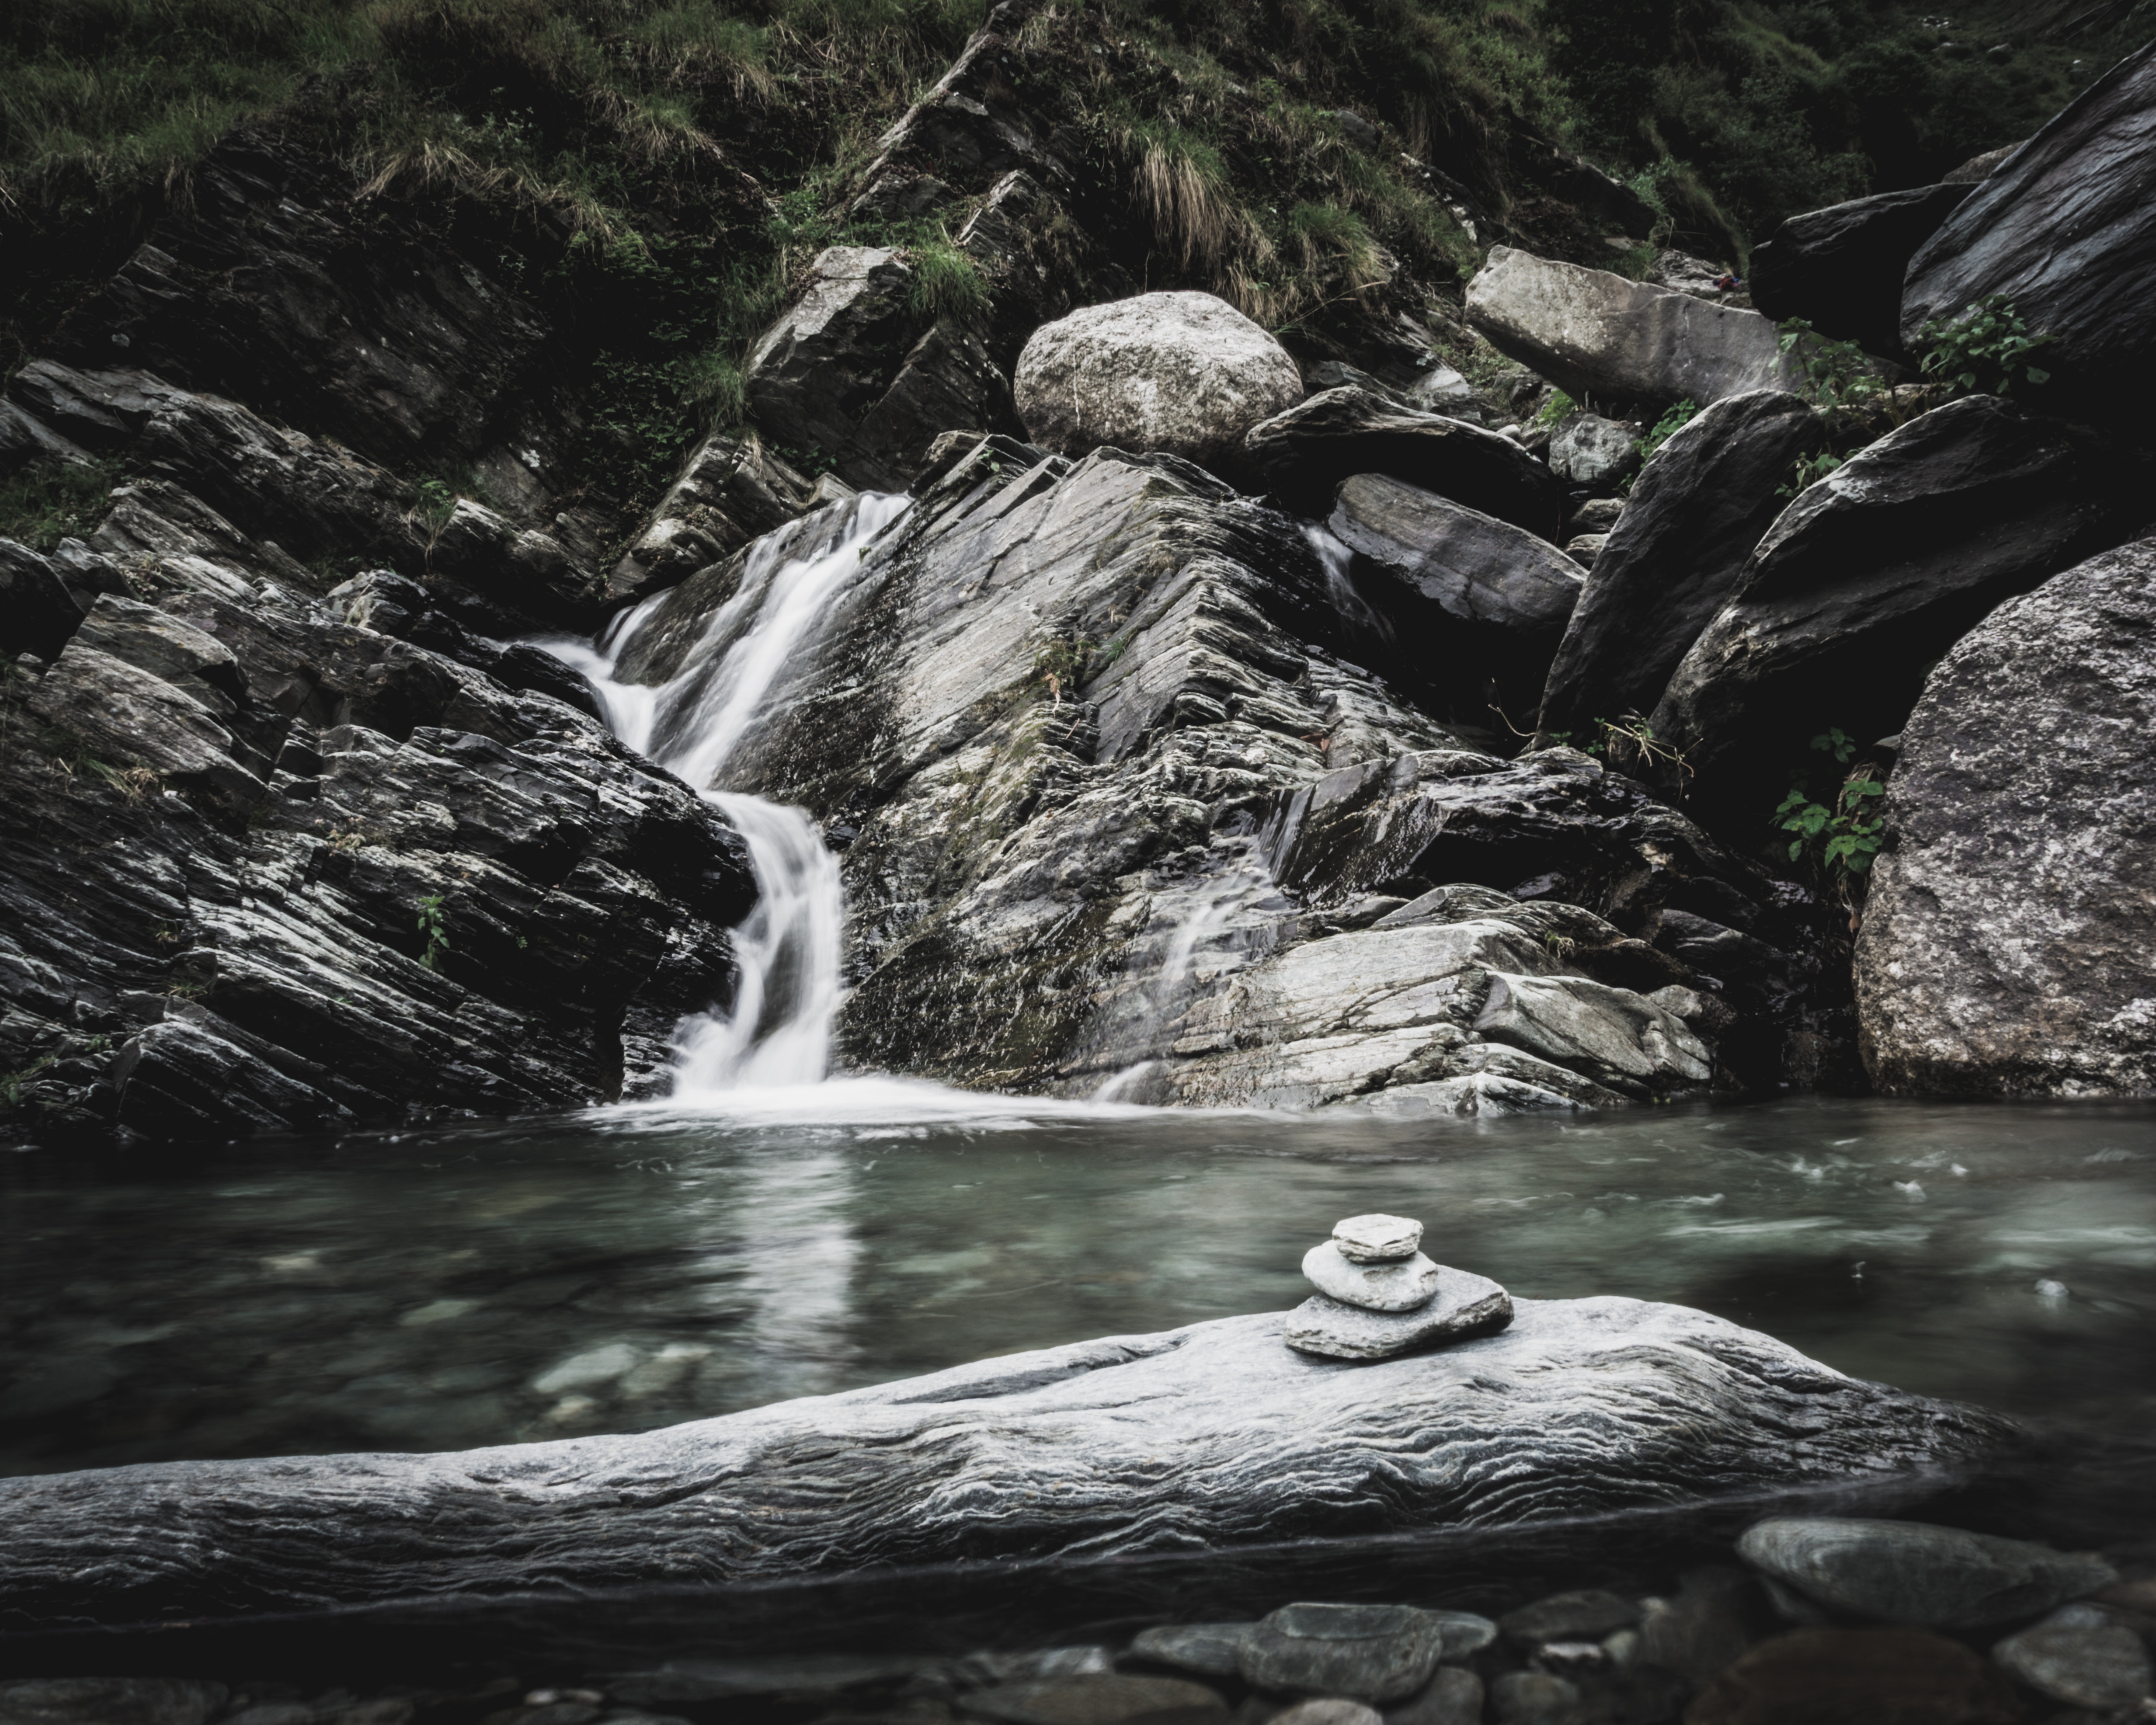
{"x": 2066, "y": 229}
{"x": 1673, "y": 557}
{"x": 1305, "y": 453}
{"x": 813, "y": 374}
{"x": 1594, "y": 454}
{"x": 38, "y": 613}
{"x": 1590, "y": 332}
{"x": 2007, "y": 938}
{"x": 1840, "y": 268}
{"x": 1869, "y": 577}
{"x": 1129, "y": 1446}
{"x": 734, "y": 488}
{"x": 2079, "y": 1656}
{"x": 1471, "y": 566}
{"x": 1916, "y": 1574}
{"x": 1183, "y": 374}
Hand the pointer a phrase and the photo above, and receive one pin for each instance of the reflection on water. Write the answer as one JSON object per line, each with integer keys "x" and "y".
{"x": 634, "y": 1269}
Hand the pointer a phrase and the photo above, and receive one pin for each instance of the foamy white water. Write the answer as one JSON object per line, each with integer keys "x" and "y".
{"x": 776, "y": 1036}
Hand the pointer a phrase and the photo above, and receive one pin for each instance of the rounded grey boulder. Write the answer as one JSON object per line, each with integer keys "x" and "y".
{"x": 2079, "y": 1655}
{"x": 1913, "y": 1573}
{"x": 1369, "y": 1652}
{"x": 1182, "y": 372}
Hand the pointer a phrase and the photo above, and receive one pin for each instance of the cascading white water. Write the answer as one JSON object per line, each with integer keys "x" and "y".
{"x": 778, "y": 1032}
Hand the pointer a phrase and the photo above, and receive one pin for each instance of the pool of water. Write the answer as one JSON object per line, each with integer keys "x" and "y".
{"x": 623, "y": 1270}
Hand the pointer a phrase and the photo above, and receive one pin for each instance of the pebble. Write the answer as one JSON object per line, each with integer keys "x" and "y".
{"x": 1464, "y": 1632}
{"x": 109, "y": 1700}
{"x": 1377, "y": 1238}
{"x": 1913, "y": 1573}
{"x": 1378, "y": 1653}
{"x": 1453, "y": 1697}
{"x": 1211, "y": 1649}
{"x": 1401, "y": 1285}
{"x": 2079, "y": 1655}
{"x": 1463, "y": 1305}
{"x": 1586, "y": 1615}
{"x": 1909, "y": 1676}
{"x": 1534, "y": 1698}
{"x": 1329, "y": 1710}
{"x": 1704, "y": 1626}
{"x": 1113, "y": 1699}
{"x": 979, "y": 1670}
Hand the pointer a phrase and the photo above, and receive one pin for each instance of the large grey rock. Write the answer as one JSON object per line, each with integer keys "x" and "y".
{"x": 823, "y": 363}
{"x": 1305, "y": 452}
{"x": 1871, "y": 575}
{"x": 1373, "y": 1653}
{"x": 2066, "y": 229}
{"x": 1111, "y": 1448}
{"x": 1182, "y": 374}
{"x": 2007, "y": 939}
{"x": 1840, "y": 268}
{"x": 2079, "y": 1655}
{"x": 1597, "y": 453}
{"x": 1461, "y": 1304}
{"x": 1397, "y": 1286}
{"x": 734, "y": 488}
{"x": 1673, "y": 557}
{"x": 1912, "y": 1573}
{"x": 1590, "y": 332}
{"x": 1471, "y": 566}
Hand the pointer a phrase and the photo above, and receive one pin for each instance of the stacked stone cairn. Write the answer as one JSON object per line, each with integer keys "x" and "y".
{"x": 1378, "y": 1295}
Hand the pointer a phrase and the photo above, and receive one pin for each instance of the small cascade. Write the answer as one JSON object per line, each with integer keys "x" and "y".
{"x": 777, "y": 1033}
{"x": 1334, "y": 557}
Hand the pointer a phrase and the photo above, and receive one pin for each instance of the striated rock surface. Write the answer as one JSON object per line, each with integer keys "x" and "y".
{"x": 1180, "y": 373}
{"x": 1673, "y": 557}
{"x": 1590, "y": 332}
{"x": 1102, "y": 1448}
{"x": 2008, "y": 938}
{"x": 2065, "y": 227}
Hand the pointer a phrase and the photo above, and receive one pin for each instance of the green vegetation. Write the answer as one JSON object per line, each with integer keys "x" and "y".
{"x": 1809, "y": 471}
{"x": 1837, "y": 832}
{"x": 1838, "y": 375}
{"x": 1630, "y": 745}
{"x": 430, "y": 925}
{"x": 50, "y": 500}
{"x": 1985, "y": 350}
{"x": 1558, "y": 408}
{"x": 1679, "y": 415}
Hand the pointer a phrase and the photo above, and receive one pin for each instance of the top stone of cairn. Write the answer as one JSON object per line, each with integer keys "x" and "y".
{"x": 1377, "y": 1238}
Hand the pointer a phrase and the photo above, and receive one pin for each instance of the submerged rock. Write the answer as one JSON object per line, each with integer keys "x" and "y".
{"x": 1110, "y": 1698}
{"x": 2007, "y": 939}
{"x": 1373, "y": 1653}
{"x": 1908, "y": 1675}
{"x": 1181, "y": 373}
{"x": 1102, "y": 1448}
{"x": 2079, "y": 1655}
{"x": 1211, "y": 1649}
{"x": 109, "y": 1701}
{"x": 1913, "y": 1573}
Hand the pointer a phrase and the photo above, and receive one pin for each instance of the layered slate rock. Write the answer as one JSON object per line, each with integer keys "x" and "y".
{"x": 2007, "y": 941}
{"x": 1840, "y": 268}
{"x": 2065, "y": 227}
{"x": 1107, "y": 1449}
{"x": 1304, "y": 454}
{"x": 1872, "y": 574}
{"x": 1673, "y": 556}
{"x": 734, "y": 488}
{"x": 276, "y": 871}
{"x": 1590, "y": 332}
{"x": 1184, "y": 374}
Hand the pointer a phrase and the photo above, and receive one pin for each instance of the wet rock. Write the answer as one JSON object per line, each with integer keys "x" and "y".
{"x": 1399, "y": 1286}
{"x": 1452, "y": 1697}
{"x": 2079, "y": 1655}
{"x": 733, "y": 490}
{"x": 1674, "y": 556}
{"x": 946, "y": 381}
{"x": 1911, "y": 1573}
{"x": 1590, "y": 332}
{"x": 1211, "y": 1649}
{"x": 1595, "y": 453}
{"x": 1904, "y": 1676}
{"x": 1463, "y": 1304}
{"x": 1706, "y": 1625}
{"x": 38, "y": 613}
{"x": 1114, "y": 1699}
{"x": 1182, "y": 374}
{"x": 1329, "y": 1711}
{"x": 2066, "y": 229}
{"x": 1583, "y": 1616}
{"x": 1840, "y": 268}
{"x": 1872, "y": 574}
{"x": 2004, "y": 950}
{"x": 1377, "y": 1238}
{"x": 1375, "y": 1653}
{"x": 1465, "y": 1633}
{"x": 109, "y": 1700}
{"x": 1979, "y": 168}
{"x": 814, "y": 373}
{"x": 1305, "y": 453}
{"x": 1035, "y": 1665}
{"x": 1471, "y": 566}
{"x": 1534, "y": 1698}
{"x": 1581, "y": 1407}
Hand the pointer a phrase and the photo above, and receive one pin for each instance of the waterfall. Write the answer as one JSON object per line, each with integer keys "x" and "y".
{"x": 777, "y": 1033}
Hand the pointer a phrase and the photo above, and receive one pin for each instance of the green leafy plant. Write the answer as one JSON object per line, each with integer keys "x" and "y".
{"x": 51, "y": 500}
{"x": 1679, "y": 416}
{"x": 1627, "y": 744}
{"x": 1838, "y": 837}
{"x": 1837, "y": 374}
{"x": 1809, "y": 471}
{"x": 1984, "y": 350}
{"x": 430, "y": 925}
{"x": 1558, "y": 408}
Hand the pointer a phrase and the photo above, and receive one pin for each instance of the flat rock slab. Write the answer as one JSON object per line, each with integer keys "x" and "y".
{"x": 1209, "y": 1437}
{"x": 1404, "y": 1285}
{"x": 1914, "y": 1572}
{"x": 1460, "y": 1304}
